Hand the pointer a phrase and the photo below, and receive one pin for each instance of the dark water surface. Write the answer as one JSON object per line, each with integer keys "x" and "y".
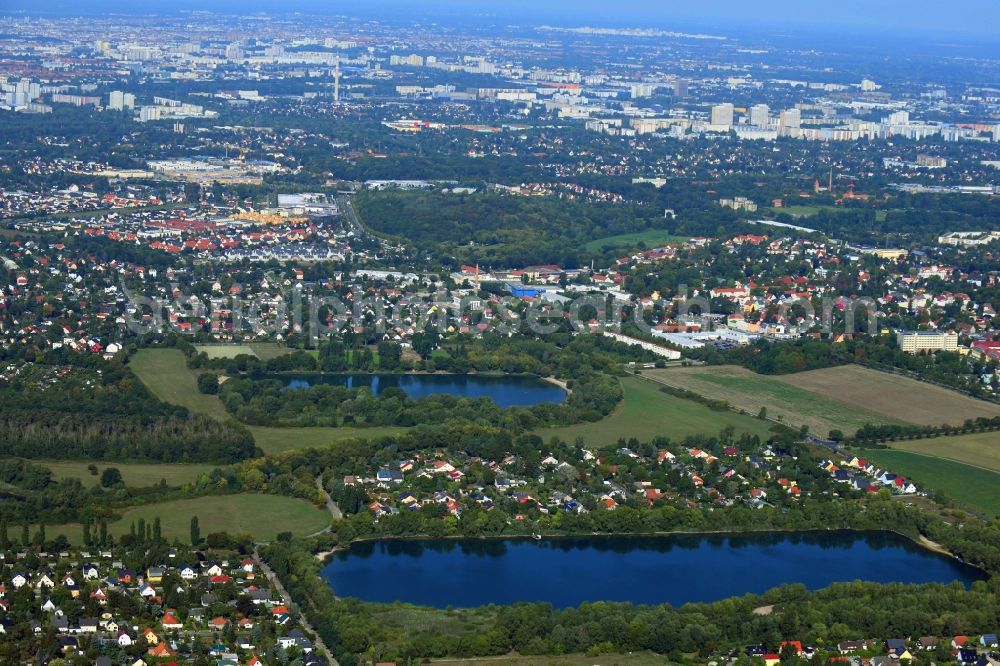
{"x": 505, "y": 390}
{"x": 645, "y": 570}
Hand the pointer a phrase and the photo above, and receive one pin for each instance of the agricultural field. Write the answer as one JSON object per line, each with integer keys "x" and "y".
{"x": 135, "y": 475}
{"x": 165, "y": 373}
{"x": 789, "y": 404}
{"x": 843, "y": 398}
{"x": 263, "y": 516}
{"x": 978, "y": 450}
{"x": 647, "y": 412}
{"x": 974, "y": 487}
{"x": 893, "y": 396}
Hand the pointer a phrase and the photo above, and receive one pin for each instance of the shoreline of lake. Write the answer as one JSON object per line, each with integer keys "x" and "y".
{"x": 398, "y": 373}
{"x": 557, "y": 382}
{"x": 920, "y": 541}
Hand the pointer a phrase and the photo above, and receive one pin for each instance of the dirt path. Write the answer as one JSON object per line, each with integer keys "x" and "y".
{"x": 330, "y": 504}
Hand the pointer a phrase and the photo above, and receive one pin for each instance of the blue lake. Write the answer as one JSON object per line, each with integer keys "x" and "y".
{"x": 644, "y": 570}
{"x": 505, "y": 390}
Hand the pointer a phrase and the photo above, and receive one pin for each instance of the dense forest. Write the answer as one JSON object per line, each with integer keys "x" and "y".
{"x": 44, "y": 433}
{"x": 495, "y": 230}
{"x": 98, "y": 410}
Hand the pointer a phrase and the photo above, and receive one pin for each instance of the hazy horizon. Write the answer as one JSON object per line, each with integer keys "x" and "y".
{"x": 972, "y": 19}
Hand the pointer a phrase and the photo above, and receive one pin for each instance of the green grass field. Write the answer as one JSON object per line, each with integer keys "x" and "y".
{"x": 971, "y": 486}
{"x": 811, "y": 210}
{"x": 136, "y": 475}
{"x": 647, "y": 412}
{"x": 277, "y": 440}
{"x": 978, "y": 450}
{"x": 791, "y": 404}
{"x": 165, "y": 373}
{"x": 268, "y": 350}
{"x": 225, "y": 351}
{"x": 803, "y": 210}
{"x": 263, "y": 516}
{"x": 652, "y": 238}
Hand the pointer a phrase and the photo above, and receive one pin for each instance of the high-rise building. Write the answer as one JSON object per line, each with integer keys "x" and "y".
{"x": 336, "y": 80}
{"x": 148, "y": 113}
{"x": 412, "y": 60}
{"x": 119, "y": 101}
{"x": 898, "y": 118}
{"x": 867, "y": 85}
{"x": 760, "y": 115}
{"x": 790, "y": 119}
{"x": 722, "y": 114}
{"x": 638, "y": 90}
{"x": 681, "y": 88}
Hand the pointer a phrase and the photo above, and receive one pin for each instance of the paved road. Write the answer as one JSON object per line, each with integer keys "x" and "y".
{"x": 287, "y": 599}
{"x": 350, "y": 215}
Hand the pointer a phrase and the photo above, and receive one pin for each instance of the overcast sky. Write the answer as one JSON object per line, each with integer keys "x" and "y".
{"x": 975, "y": 18}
